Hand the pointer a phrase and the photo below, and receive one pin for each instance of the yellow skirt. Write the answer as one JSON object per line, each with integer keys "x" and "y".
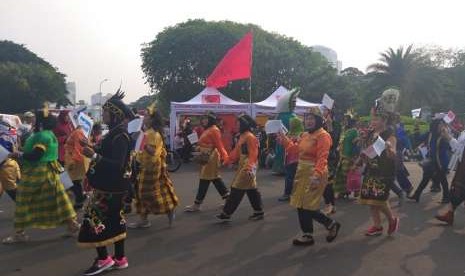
{"x": 211, "y": 170}
{"x": 9, "y": 175}
{"x": 302, "y": 196}
{"x": 242, "y": 180}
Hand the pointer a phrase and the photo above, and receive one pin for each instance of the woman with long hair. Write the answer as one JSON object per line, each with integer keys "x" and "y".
{"x": 155, "y": 191}
{"x": 311, "y": 178}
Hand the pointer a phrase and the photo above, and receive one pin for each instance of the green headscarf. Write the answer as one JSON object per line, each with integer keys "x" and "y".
{"x": 296, "y": 126}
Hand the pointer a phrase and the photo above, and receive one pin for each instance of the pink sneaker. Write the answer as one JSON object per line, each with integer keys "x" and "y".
{"x": 393, "y": 226}
{"x": 374, "y": 231}
{"x": 100, "y": 266}
{"x": 121, "y": 263}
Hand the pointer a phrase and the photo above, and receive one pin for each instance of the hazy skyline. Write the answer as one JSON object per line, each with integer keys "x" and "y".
{"x": 93, "y": 40}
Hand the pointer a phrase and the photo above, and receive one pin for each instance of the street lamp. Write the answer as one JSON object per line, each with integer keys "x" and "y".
{"x": 100, "y": 97}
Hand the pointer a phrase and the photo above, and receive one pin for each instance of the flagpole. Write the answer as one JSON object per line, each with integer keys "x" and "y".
{"x": 250, "y": 79}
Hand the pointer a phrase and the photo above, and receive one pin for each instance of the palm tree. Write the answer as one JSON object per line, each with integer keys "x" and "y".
{"x": 402, "y": 68}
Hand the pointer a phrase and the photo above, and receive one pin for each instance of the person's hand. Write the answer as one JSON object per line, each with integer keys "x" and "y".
{"x": 88, "y": 152}
{"x": 314, "y": 182}
{"x": 84, "y": 142}
{"x": 15, "y": 155}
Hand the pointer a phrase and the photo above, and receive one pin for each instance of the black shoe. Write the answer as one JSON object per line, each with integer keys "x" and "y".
{"x": 223, "y": 217}
{"x": 257, "y": 216}
{"x": 304, "y": 240}
{"x": 413, "y": 197}
{"x": 284, "y": 198}
{"x": 435, "y": 190}
{"x": 333, "y": 231}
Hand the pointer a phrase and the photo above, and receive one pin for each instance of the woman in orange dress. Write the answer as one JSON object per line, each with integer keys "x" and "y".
{"x": 311, "y": 178}
{"x": 245, "y": 180}
{"x": 211, "y": 146}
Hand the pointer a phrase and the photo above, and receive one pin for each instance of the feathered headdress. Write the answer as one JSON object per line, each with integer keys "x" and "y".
{"x": 117, "y": 107}
{"x": 285, "y": 101}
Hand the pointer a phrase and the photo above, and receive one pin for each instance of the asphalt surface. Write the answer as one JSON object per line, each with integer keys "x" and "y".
{"x": 197, "y": 245}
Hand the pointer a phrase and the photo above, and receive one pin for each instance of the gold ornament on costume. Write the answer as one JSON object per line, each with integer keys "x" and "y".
{"x": 45, "y": 109}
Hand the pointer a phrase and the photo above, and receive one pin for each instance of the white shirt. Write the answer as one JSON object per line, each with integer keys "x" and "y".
{"x": 457, "y": 146}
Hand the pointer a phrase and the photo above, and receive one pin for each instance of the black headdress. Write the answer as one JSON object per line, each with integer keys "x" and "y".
{"x": 246, "y": 123}
{"x": 44, "y": 120}
{"x": 117, "y": 108}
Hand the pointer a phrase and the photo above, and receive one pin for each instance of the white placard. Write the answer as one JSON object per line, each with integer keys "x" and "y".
{"x": 327, "y": 101}
{"x": 423, "y": 151}
{"x": 66, "y": 180}
{"x": 275, "y": 126}
{"x": 4, "y": 153}
{"x": 86, "y": 123}
{"x": 193, "y": 137}
{"x": 416, "y": 113}
{"x": 376, "y": 149}
{"x": 135, "y": 125}
{"x": 449, "y": 118}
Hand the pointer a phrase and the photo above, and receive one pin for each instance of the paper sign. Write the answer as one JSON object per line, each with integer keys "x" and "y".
{"x": 416, "y": 113}
{"x": 376, "y": 149}
{"x": 423, "y": 151}
{"x": 275, "y": 126}
{"x": 449, "y": 118}
{"x": 140, "y": 142}
{"x": 3, "y": 153}
{"x": 193, "y": 137}
{"x": 135, "y": 125}
{"x": 66, "y": 180}
{"x": 327, "y": 101}
{"x": 86, "y": 123}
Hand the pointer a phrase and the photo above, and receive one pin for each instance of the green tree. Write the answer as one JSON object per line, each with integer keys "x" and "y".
{"x": 180, "y": 58}
{"x": 26, "y": 80}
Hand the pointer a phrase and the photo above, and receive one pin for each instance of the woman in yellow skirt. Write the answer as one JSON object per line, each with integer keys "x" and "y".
{"x": 211, "y": 146}
{"x": 311, "y": 178}
{"x": 245, "y": 180}
{"x": 155, "y": 191}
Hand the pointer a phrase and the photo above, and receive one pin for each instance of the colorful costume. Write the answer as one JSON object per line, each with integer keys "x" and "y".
{"x": 9, "y": 168}
{"x": 285, "y": 110}
{"x": 211, "y": 146}
{"x": 245, "y": 180}
{"x": 155, "y": 194}
{"x": 347, "y": 154}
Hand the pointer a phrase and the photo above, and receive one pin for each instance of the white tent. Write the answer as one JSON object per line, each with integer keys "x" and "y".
{"x": 210, "y": 99}
{"x": 268, "y": 106}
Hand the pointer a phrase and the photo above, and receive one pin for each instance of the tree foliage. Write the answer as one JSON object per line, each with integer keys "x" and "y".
{"x": 26, "y": 80}
{"x": 177, "y": 62}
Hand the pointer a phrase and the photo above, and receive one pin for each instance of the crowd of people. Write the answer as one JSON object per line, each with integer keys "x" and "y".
{"x": 323, "y": 160}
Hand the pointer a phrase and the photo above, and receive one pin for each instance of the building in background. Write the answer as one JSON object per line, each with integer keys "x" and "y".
{"x": 330, "y": 55}
{"x": 71, "y": 88}
{"x": 99, "y": 99}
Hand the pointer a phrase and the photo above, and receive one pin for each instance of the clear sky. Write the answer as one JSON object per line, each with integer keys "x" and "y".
{"x": 90, "y": 40}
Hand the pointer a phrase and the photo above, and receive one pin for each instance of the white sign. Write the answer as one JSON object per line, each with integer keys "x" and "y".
{"x": 327, "y": 101}
{"x": 86, "y": 123}
{"x": 66, "y": 180}
{"x": 275, "y": 126}
{"x": 423, "y": 151}
{"x": 376, "y": 149}
{"x": 3, "y": 153}
{"x": 135, "y": 125}
{"x": 193, "y": 137}
{"x": 449, "y": 118}
{"x": 416, "y": 113}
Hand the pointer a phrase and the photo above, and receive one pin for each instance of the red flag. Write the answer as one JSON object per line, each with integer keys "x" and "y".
{"x": 235, "y": 65}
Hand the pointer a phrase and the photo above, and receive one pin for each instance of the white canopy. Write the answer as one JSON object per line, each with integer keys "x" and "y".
{"x": 268, "y": 105}
{"x": 210, "y": 99}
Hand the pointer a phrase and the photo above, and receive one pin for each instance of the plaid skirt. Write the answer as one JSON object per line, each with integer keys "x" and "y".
{"x": 41, "y": 200}
{"x": 155, "y": 190}
{"x": 103, "y": 223}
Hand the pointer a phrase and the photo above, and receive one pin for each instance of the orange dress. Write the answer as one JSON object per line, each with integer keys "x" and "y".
{"x": 313, "y": 162}
{"x": 246, "y": 151}
{"x": 210, "y": 142}
{"x": 75, "y": 163}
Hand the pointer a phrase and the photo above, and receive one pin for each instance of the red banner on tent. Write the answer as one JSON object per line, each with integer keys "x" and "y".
{"x": 235, "y": 65}
{"x": 211, "y": 99}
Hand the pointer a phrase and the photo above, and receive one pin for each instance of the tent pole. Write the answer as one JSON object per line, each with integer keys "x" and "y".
{"x": 250, "y": 95}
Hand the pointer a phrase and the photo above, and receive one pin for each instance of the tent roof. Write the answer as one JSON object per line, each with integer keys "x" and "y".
{"x": 209, "y": 96}
{"x": 272, "y": 100}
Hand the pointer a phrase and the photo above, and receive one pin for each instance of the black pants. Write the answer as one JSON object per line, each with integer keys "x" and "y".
{"x": 328, "y": 195}
{"x": 436, "y": 174}
{"x": 119, "y": 251}
{"x": 395, "y": 188}
{"x": 306, "y": 218}
{"x": 77, "y": 191}
{"x": 235, "y": 199}
{"x": 203, "y": 188}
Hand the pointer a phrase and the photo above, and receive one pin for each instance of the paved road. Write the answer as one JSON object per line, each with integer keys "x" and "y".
{"x": 198, "y": 246}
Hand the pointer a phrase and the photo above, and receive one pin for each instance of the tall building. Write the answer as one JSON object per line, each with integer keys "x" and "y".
{"x": 71, "y": 88}
{"x": 99, "y": 99}
{"x": 330, "y": 55}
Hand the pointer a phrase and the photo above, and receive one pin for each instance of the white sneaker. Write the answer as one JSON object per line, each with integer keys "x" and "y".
{"x": 192, "y": 208}
{"x": 140, "y": 224}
